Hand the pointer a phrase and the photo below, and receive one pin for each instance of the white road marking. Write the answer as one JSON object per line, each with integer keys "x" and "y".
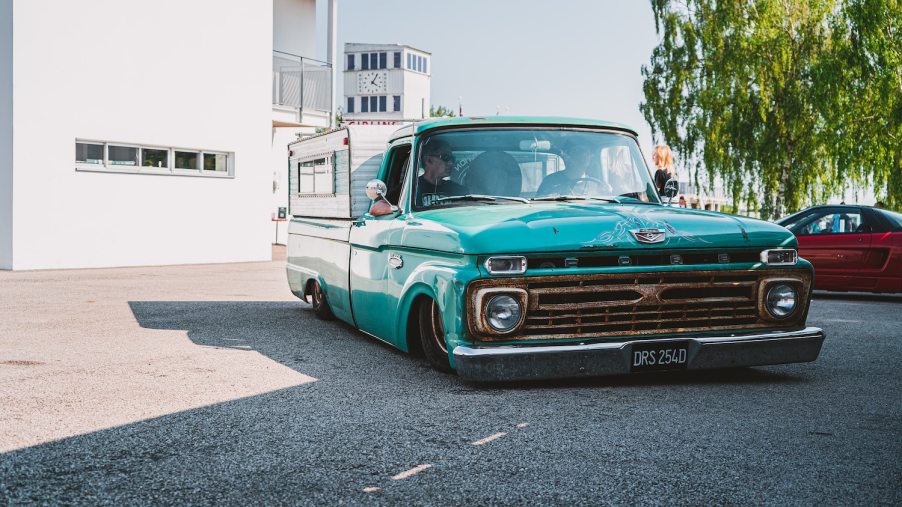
{"x": 371, "y": 489}
{"x": 489, "y": 438}
{"x": 522, "y": 425}
{"x": 407, "y": 473}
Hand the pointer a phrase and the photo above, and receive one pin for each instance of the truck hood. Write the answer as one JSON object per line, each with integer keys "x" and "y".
{"x": 567, "y": 227}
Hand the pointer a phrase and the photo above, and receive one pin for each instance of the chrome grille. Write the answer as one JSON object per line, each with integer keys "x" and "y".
{"x": 646, "y": 303}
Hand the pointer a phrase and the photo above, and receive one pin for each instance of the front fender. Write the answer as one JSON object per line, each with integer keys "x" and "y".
{"x": 445, "y": 283}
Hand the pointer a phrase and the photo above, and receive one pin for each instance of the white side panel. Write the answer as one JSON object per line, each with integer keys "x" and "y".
{"x": 281, "y": 137}
{"x": 6, "y": 134}
{"x": 335, "y": 206}
{"x": 364, "y": 149}
{"x": 166, "y": 73}
{"x": 294, "y": 27}
{"x": 368, "y": 144}
{"x": 417, "y": 88}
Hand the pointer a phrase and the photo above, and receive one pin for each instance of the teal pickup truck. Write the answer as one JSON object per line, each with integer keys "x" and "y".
{"x": 512, "y": 248}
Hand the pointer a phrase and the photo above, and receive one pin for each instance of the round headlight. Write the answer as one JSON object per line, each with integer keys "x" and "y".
{"x": 503, "y": 313}
{"x": 781, "y": 300}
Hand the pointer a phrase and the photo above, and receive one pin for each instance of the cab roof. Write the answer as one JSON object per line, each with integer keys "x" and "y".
{"x": 486, "y": 121}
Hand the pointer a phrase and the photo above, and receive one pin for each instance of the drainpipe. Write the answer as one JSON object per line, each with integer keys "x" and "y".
{"x": 332, "y": 57}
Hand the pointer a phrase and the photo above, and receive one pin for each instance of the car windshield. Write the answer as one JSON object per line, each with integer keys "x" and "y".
{"x": 513, "y": 165}
{"x": 894, "y": 218}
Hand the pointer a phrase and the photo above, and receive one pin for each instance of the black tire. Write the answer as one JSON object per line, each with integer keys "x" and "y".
{"x": 320, "y": 305}
{"x": 432, "y": 336}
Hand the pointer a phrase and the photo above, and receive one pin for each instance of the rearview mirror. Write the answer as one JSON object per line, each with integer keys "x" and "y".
{"x": 535, "y": 145}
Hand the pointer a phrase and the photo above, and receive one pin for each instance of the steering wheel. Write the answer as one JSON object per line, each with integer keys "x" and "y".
{"x": 582, "y": 186}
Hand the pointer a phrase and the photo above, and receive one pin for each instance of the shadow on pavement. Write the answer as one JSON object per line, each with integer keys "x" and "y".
{"x": 288, "y": 333}
{"x": 372, "y": 413}
{"x": 858, "y": 296}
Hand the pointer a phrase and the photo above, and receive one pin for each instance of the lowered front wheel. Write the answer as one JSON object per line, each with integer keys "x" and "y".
{"x": 432, "y": 337}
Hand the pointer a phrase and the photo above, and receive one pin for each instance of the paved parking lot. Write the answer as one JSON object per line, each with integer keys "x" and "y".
{"x": 213, "y": 384}
{"x": 74, "y": 358}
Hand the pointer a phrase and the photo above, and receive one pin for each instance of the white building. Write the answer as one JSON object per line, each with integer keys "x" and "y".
{"x": 140, "y": 132}
{"x": 386, "y": 81}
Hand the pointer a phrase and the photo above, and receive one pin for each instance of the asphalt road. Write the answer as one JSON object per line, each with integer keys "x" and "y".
{"x": 380, "y": 427}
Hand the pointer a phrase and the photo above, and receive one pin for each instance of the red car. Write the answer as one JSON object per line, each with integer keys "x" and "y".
{"x": 852, "y": 248}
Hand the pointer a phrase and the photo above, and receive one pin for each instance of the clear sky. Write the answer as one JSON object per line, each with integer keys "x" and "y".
{"x": 566, "y": 58}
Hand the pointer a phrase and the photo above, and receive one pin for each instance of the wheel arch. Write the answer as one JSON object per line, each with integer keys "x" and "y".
{"x": 408, "y": 321}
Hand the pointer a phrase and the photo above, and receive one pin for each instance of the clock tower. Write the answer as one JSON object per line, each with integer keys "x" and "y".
{"x": 385, "y": 82}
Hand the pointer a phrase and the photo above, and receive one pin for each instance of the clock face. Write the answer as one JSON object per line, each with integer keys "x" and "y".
{"x": 372, "y": 82}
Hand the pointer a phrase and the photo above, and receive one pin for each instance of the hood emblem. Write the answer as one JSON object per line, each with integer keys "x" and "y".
{"x": 650, "y": 235}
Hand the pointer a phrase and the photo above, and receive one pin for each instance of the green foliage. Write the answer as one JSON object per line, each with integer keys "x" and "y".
{"x": 440, "y": 112}
{"x": 788, "y": 101}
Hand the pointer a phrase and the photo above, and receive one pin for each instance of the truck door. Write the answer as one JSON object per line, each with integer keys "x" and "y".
{"x": 375, "y": 259}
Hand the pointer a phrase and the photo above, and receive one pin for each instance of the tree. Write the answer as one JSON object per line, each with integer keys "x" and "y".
{"x": 440, "y": 111}
{"x": 763, "y": 93}
{"x": 862, "y": 95}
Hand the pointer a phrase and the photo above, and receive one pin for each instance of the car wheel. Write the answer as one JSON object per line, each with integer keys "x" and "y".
{"x": 432, "y": 337}
{"x": 320, "y": 305}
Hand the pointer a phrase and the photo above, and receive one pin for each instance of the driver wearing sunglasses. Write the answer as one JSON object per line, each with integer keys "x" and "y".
{"x": 437, "y": 163}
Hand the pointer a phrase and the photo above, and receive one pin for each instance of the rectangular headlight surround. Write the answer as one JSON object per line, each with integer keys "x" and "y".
{"x": 780, "y": 257}
{"x": 506, "y": 265}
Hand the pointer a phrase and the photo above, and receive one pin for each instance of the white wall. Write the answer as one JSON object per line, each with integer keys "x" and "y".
{"x": 166, "y": 72}
{"x": 6, "y": 134}
{"x": 294, "y": 27}
{"x": 417, "y": 87}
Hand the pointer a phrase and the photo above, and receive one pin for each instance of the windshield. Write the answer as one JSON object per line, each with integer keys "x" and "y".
{"x": 509, "y": 166}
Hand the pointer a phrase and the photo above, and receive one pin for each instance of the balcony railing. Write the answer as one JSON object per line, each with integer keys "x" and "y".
{"x": 301, "y": 83}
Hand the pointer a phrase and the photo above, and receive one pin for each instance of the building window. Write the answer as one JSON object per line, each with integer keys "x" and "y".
{"x": 383, "y": 60}
{"x": 216, "y": 162}
{"x": 137, "y": 159}
{"x": 409, "y": 59}
{"x": 316, "y": 176}
{"x": 420, "y": 64}
{"x": 151, "y": 157}
{"x": 382, "y": 101}
{"x": 364, "y": 105}
{"x": 374, "y": 60}
{"x": 350, "y": 104}
{"x": 397, "y": 59}
{"x": 350, "y": 62}
{"x": 122, "y": 155}
{"x": 365, "y": 61}
{"x": 186, "y": 159}
{"x": 425, "y": 65}
{"x": 374, "y": 104}
{"x": 87, "y": 153}
{"x": 397, "y": 103}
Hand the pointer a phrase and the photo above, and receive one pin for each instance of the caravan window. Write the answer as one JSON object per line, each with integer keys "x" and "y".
{"x": 316, "y": 176}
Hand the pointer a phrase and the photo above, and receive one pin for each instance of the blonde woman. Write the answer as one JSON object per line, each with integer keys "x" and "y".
{"x": 663, "y": 159}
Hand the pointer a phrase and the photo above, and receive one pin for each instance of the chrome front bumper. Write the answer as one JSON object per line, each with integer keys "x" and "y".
{"x": 613, "y": 358}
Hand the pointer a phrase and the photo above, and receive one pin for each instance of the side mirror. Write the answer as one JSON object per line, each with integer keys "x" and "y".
{"x": 671, "y": 188}
{"x": 375, "y": 190}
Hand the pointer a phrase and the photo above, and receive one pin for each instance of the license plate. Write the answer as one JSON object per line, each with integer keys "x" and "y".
{"x": 659, "y": 356}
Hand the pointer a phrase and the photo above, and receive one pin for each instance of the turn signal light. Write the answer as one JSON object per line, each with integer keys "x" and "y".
{"x": 780, "y": 257}
{"x": 510, "y": 265}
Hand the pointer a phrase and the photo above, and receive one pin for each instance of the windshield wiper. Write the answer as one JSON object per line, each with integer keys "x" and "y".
{"x": 576, "y": 198}
{"x": 633, "y": 200}
{"x": 477, "y": 197}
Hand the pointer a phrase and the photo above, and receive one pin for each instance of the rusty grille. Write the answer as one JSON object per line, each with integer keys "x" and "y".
{"x": 646, "y": 303}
